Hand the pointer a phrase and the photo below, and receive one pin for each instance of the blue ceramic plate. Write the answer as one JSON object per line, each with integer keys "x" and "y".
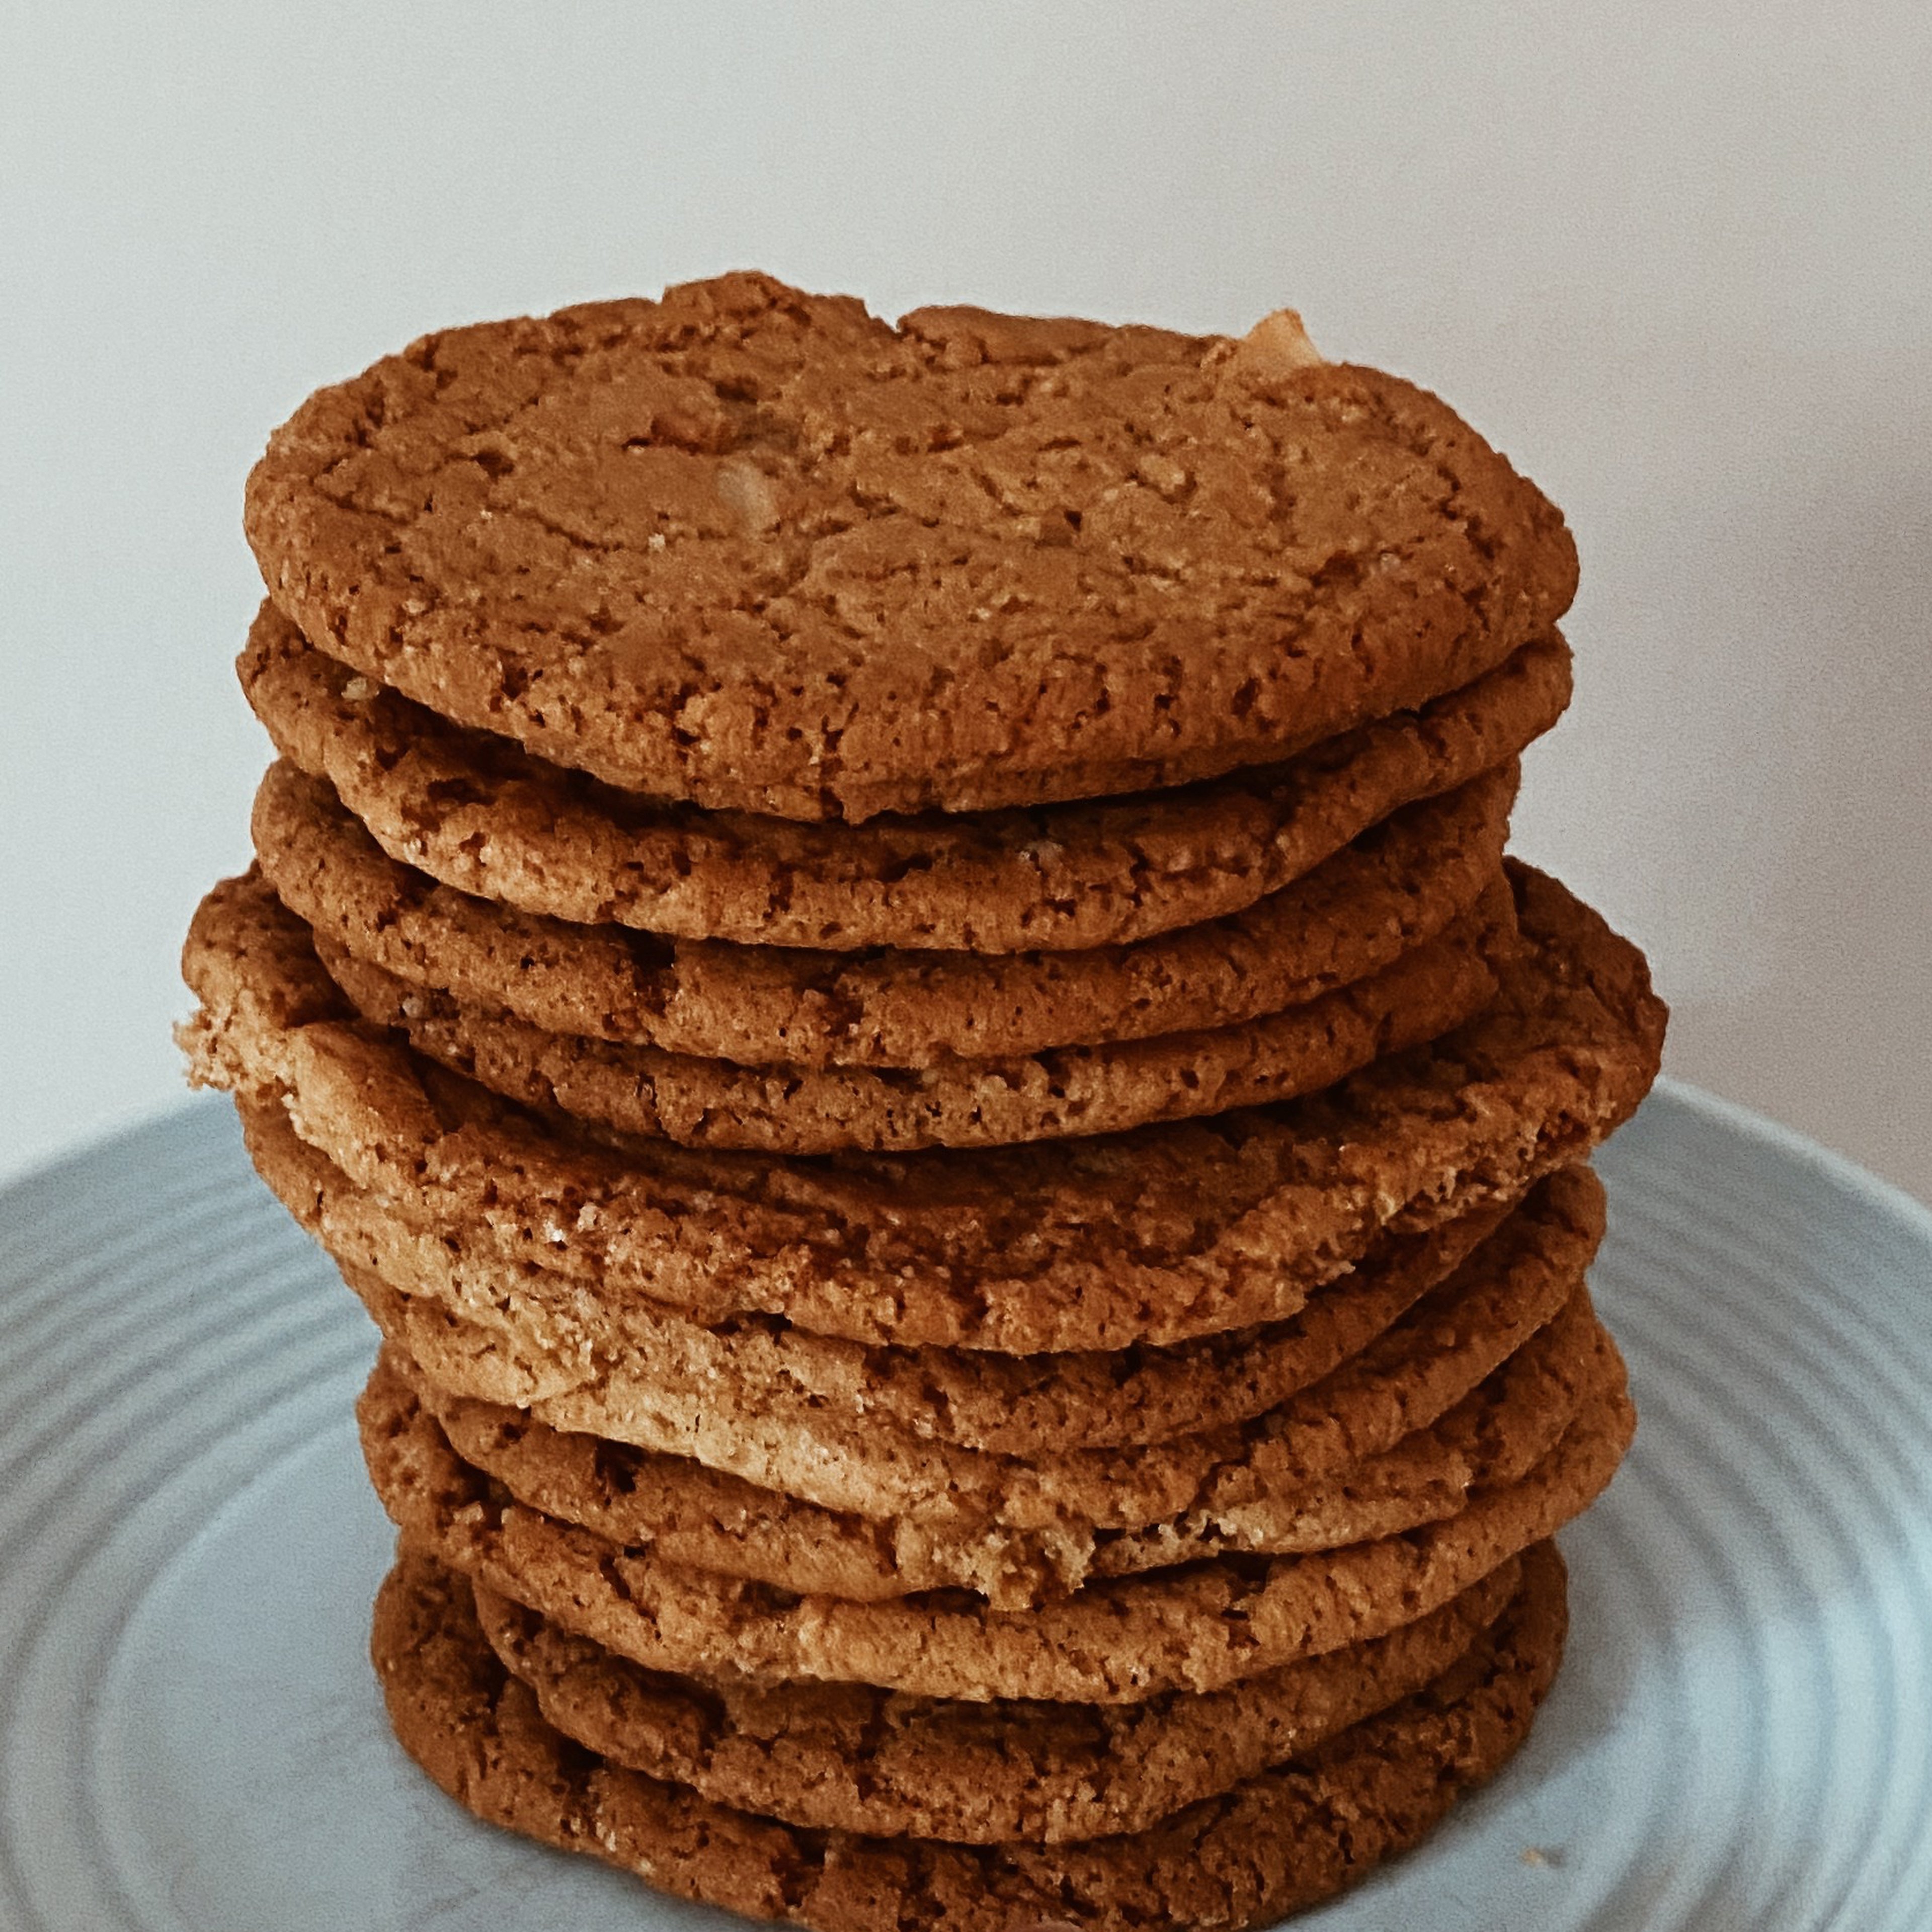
{"x": 191, "y": 1740}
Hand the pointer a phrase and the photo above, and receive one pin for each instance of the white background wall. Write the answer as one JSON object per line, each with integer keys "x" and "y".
{"x": 1677, "y": 260}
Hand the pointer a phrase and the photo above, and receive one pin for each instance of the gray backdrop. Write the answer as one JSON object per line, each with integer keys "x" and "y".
{"x": 1676, "y": 260}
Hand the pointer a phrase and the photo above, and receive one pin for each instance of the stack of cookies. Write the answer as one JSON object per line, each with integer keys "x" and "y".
{"x": 884, "y": 954}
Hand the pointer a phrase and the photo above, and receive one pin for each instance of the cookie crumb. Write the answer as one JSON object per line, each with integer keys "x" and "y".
{"x": 1278, "y": 345}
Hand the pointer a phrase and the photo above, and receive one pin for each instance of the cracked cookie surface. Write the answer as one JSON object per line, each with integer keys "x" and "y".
{"x": 1153, "y": 1236}
{"x": 1394, "y": 887}
{"x": 763, "y": 551}
{"x": 850, "y": 1757}
{"x": 749, "y": 1371}
{"x": 1118, "y": 1640}
{"x": 1042, "y": 1532}
{"x": 1276, "y": 1842}
{"x": 604, "y": 1425}
{"x": 480, "y": 814}
{"x": 644, "y": 1092}
{"x": 589, "y": 1408}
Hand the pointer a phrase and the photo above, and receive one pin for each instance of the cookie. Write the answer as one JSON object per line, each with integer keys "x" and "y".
{"x": 1403, "y": 1381}
{"x": 1493, "y": 1437}
{"x": 484, "y": 817}
{"x": 848, "y": 1757}
{"x": 1044, "y": 1533}
{"x": 1418, "y": 1370}
{"x": 748, "y": 1369}
{"x": 1119, "y": 1640}
{"x": 1276, "y": 1842}
{"x": 1415, "y": 1371}
{"x": 761, "y": 550}
{"x": 642, "y": 1091}
{"x": 1396, "y": 886}
{"x": 1155, "y": 1236}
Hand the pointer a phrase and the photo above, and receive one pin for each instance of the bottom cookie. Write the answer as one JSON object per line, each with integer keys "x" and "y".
{"x": 854, "y": 1758}
{"x": 1275, "y": 1843}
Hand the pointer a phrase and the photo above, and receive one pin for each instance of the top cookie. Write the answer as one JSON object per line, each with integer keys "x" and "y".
{"x": 764, "y": 551}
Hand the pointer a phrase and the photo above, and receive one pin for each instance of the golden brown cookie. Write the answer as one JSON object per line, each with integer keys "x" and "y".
{"x": 1417, "y": 1369}
{"x": 1398, "y": 885}
{"x": 747, "y": 1370}
{"x": 1151, "y": 1237}
{"x": 1277, "y": 1841}
{"x": 1119, "y": 1640}
{"x": 1043, "y": 1531}
{"x": 760, "y": 550}
{"x": 485, "y": 817}
{"x": 848, "y": 1757}
{"x": 526, "y": 1418}
{"x": 644, "y": 1092}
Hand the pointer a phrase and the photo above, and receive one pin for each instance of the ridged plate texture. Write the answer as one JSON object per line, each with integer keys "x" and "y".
{"x": 190, "y": 1738}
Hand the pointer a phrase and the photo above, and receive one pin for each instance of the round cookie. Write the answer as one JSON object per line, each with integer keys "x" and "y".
{"x": 760, "y": 549}
{"x": 644, "y": 1092}
{"x": 520, "y": 1408}
{"x": 484, "y": 817}
{"x": 750, "y": 1368}
{"x": 1118, "y": 1640}
{"x": 1417, "y": 1369}
{"x": 1152, "y": 1237}
{"x": 1255, "y": 1499}
{"x": 1278, "y": 1841}
{"x": 1395, "y": 887}
{"x": 1493, "y": 1437}
{"x": 849, "y": 1757}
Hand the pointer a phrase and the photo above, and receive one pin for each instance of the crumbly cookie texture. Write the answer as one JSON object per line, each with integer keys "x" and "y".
{"x": 1395, "y": 887}
{"x": 1151, "y": 1237}
{"x": 517, "y": 1408}
{"x": 643, "y": 1091}
{"x": 1119, "y": 1640}
{"x": 480, "y": 814}
{"x": 747, "y": 1371}
{"x": 850, "y": 1757}
{"x": 1041, "y": 1535}
{"x": 761, "y": 549}
{"x": 1277, "y": 1841}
